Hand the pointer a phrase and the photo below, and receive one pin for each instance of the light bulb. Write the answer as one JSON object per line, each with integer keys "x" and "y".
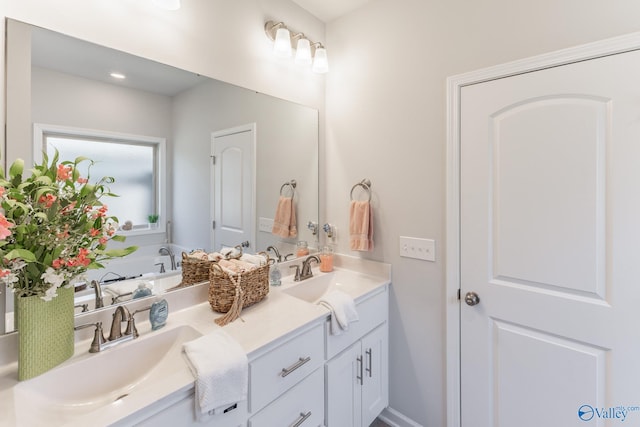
{"x": 282, "y": 46}
{"x": 320, "y": 63}
{"x": 303, "y": 52}
{"x": 167, "y": 4}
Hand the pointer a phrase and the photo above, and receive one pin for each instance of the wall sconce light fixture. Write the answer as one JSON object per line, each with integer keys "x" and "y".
{"x": 167, "y": 4}
{"x": 307, "y": 52}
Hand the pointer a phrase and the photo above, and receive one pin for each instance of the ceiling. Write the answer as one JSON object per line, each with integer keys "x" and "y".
{"x": 83, "y": 59}
{"x": 328, "y": 10}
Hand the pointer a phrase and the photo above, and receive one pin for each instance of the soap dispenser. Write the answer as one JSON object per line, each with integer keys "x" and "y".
{"x": 275, "y": 276}
{"x": 142, "y": 291}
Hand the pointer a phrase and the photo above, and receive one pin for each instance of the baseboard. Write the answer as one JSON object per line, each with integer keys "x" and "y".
{"x": 396, "y": 419}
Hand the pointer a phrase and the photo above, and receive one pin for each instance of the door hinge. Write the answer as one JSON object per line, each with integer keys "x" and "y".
{"x": 213, "y": 225}
{"x": 213, "y": 160}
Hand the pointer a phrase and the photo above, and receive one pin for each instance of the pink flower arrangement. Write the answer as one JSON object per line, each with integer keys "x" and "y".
{"x": 53, "y": 227}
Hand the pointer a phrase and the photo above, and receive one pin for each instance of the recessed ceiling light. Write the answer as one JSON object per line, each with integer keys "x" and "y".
{"x": 118, "y": 76}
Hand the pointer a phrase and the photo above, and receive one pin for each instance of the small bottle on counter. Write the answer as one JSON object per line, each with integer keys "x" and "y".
{"x": 303, "y": 249}
{"x": 275, "y": 276}
{"x": 326, "y": 260}
{"x": 142, "y": 291}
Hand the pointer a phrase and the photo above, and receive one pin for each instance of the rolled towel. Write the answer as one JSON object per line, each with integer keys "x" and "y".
{"x": 221, "y": 370}
{"x": 215, "y": 256}
{"x": 201, "y": 255}
{"x": 228, "y": 266}
{"x": 258, "y": 260}
{"x": 243, "y": 265}
{"x": 343, "y": 310}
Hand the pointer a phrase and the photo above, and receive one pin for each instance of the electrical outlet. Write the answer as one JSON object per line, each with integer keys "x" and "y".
{"x": 265, "y": 224}
{"x": 413, "y": 247}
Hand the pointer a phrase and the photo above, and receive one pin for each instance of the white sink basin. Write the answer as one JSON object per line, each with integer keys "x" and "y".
{"x": 102, "y": 380}
{"x": 314, "y": 288}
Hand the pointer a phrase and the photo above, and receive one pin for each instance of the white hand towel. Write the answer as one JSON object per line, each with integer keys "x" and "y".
{"x": 343, "y": 310}
{"x": 221, "y": 369}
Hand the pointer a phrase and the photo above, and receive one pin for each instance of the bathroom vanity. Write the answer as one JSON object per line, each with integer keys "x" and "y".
{"x": 299, "y": 373}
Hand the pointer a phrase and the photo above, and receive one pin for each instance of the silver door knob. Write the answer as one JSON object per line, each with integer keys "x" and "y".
{"x": 471, "y": 298}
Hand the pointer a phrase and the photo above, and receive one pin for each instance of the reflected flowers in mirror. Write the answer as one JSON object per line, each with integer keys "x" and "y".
{"x": 53, "y": 226}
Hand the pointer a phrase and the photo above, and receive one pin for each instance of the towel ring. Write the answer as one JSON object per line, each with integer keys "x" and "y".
{"x": 366, "y": 184}
{"x": 293, "y": 184}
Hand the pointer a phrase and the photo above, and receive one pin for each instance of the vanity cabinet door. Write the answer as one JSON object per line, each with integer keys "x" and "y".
{"x": 375, "y": 389}
{"x": 343, "y": 388}
{"x": 357, "y": 381}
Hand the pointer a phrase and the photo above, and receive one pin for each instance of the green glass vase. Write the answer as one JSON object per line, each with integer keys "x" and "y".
{"x": 46, "y": 335}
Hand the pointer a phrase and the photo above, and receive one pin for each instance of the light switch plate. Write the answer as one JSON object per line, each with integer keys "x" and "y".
{"x": 265, "y": 224}
{"x": 413, "y": 247}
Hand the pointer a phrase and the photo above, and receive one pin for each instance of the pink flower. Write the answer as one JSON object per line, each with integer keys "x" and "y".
{"x": 82, "y": 180}
{"x": 94, "y": 232}
{"x": 47, "y": 199}
{"x": 103, "y": 240}
{"x": 2, "y": 190}
{"x": 5, "y": 225}
{"x": 58, "y": 263}
{"x": 64, "y": 172}
{"x": 5, "y": 272}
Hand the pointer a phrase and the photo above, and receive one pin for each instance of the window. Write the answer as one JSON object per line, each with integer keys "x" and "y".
{"x": 134, "y": 161}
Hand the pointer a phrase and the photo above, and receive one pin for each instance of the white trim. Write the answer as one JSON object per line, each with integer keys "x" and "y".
{"x": 39, "y": 129}
{"x": 395, "y": 419}
{"x": 454, "y": 85}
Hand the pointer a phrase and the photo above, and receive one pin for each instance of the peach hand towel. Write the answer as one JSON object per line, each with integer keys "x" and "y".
{"x": 284, "y": 223}
{"x": 360, "y": 226}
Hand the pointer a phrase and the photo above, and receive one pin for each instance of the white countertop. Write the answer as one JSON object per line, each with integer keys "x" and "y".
{"x": 275, "y": 317}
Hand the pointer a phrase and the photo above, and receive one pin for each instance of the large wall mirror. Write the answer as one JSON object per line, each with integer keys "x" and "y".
{"x": 70, "y": 87}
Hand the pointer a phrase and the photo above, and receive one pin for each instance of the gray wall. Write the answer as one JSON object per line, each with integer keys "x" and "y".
{"x": 386, "y": 107}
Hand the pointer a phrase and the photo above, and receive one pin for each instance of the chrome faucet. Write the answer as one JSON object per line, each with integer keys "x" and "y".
{"x": 276, "y": 252}
{"x": 166, "y": 250}
{"x": 306, "y": 273}
{"x": 98, "y": 289}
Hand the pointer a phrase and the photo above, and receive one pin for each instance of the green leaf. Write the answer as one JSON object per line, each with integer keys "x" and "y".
{"x": 22, "y": 254}
{"x": 117, "y": 253}
{"x": 16, "y": 168}
{"x": 119, "y": 238}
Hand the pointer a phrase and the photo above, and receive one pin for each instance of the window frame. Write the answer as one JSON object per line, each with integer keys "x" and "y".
{"x": 40, "y": 130}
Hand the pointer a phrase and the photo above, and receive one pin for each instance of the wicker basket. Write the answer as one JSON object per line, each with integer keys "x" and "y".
{"x": 194, "y": 270}
{"x": 231, "y": 293}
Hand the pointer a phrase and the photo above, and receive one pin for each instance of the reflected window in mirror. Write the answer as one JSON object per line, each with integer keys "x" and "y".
{"x": 133, "y": 161}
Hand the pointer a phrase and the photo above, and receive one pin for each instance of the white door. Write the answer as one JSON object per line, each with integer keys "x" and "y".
{"x": 550, "y": 243}
{"x": 233, "y": 201}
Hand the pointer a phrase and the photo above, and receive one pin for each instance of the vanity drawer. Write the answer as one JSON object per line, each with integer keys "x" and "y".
{"x": 303, "y": 404}
{"x": 371, "y": 312}
{"x": 284, "y": 366}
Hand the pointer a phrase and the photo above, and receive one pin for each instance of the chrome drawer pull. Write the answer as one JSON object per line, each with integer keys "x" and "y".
{"x": 360, "y": 377}
{"x": 302, "y": 418}
{"x": 368, "y": 369}
{"x": 290, "y": 369}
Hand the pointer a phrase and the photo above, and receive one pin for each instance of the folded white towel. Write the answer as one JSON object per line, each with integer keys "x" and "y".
{"x": 221, "y": 369}
{"x": 343, "y": 310}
